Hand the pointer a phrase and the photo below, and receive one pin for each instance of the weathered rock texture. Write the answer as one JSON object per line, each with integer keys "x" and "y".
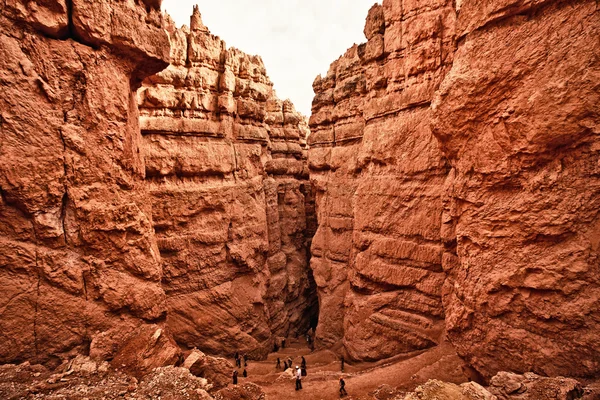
{"x": 378, "y": 172}
{"x": 226, "y": 169}
{"x": 77, "y": 247}
{"x": 456, "y": 157}
{"x": 518, "y": 118}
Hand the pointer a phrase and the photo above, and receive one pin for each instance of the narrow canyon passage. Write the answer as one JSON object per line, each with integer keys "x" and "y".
{"x": 442, "y": 202}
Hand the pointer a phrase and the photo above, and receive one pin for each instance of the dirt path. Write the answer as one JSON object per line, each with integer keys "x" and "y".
{"x": 362, "y": 379}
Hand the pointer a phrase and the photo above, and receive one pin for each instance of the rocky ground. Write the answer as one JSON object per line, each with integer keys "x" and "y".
{"x": 435, "y": 374}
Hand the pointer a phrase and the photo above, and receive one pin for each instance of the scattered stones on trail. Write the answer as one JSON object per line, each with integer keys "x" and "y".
{"x": 27, "y": 381}
{"x": 530, "y": 386}
{"x": 437, "y": 390}
{"x": 216, "y": 370}
{"x": 244, "y": 391}
{"x": 147, "y": 348}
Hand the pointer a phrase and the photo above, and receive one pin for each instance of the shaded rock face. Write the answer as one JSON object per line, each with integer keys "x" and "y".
{"x": 78, "y": 252}
{"x": 379, "y": 173}
{"x": 455, "y": 157}
{"x": 519, "y": 123}
{"x": 225, "y": 164}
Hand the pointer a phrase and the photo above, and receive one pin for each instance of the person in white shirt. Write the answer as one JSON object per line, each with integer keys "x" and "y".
{"x": 298, "y": 378}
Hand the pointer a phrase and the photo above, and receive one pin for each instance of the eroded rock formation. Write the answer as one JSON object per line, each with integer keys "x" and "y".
{"x": 78, "y": 252}
{"x": 379, "y": 172}
{"x": 519, "y": 122}
{"x": 212, "y": 205}
{"x": 455, "y": 157}
{"x": 226, "y": 170}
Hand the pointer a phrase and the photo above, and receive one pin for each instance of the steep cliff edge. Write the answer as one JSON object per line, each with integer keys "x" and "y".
{"x": 455, "y": 159}
{"x": 231, "y": 202}
{"x": 78, "y": 253}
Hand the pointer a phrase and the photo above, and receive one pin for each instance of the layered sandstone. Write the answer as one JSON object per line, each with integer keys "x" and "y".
{"x": 378, "y": 172}
{"x": 519, "y": 122}
{"x": 225, "y": 164}
{"x": 78, "y": 253}
{"x": 455, "y": 158}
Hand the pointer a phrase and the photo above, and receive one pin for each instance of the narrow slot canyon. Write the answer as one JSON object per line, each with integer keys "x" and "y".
{"x": 432, "y": 227}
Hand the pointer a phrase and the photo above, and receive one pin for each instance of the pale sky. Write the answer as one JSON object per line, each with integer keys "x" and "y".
{"x": 297, "y": 39}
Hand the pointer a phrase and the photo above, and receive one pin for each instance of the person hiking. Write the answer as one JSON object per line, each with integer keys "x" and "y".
{"x": 283, "y": 344}
{"x": 342, "y": 363}
{"x": 235, "y": 376}
{"x": 285, "y": 366}
{"x": 342, "y": 387}
{"x": 278, "y": 363}
{"x": 290, "y": 361}
{"x": 298, "y": 378}
{"x": 303, "y": 363}
{"x": 245, "y": 374}
{"x": 303, "y": 370}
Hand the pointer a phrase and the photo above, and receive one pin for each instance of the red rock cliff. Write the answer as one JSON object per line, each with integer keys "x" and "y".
{"x": 455, "y": 157}
{"x": 378, "y": 170}
{"x": 226, "y": 170}
{"x": 78, "y": 252}
{"x": 518, "y": 118}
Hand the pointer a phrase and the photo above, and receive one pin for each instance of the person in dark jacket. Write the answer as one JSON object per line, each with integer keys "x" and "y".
{"x": 285, "y": 366}
{"x": 342, "y": 387}
{"x": 303, "y": 363}
{"x": 278, "y": 363}
{"x": 235, "y": 376}
{"x": 245, "y": 374}
{"x": 342, "y": 363}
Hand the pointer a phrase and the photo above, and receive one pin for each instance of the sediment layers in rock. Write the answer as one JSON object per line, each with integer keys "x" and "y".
{"x": 379, "y": 172}
{"x": 511, "y": 217}
{"x": 518, "y": 119}
{"x": 226, "y": 169}
{"x": 78, "y": 253}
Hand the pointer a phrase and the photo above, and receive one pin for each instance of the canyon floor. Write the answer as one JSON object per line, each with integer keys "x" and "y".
{"x": 380, "y": 380}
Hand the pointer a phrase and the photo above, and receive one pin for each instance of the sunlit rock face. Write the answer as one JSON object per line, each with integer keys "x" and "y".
{"x": 78, "y": 253}
{"x": 455, "y": 161}
{"x": 379, "y": 175}
{"x": 233, "y": 211}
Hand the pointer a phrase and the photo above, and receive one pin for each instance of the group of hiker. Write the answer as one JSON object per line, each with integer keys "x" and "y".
{"x": 238, "y": 364}
{"x": 299, "y": 371}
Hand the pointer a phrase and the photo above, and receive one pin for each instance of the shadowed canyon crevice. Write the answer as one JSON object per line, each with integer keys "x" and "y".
{"x": 154, "y": 189}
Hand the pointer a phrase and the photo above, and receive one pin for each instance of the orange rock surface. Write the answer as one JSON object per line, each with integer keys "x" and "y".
{"x": 226, "y": 170}
{"x": 378, "y": 171}
{"x": 455, "y": 159}
{"x": 78, "y": 251}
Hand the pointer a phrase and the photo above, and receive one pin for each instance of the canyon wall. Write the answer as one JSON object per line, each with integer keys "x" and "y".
{"x": 231, "y": 203}
{"x": 379, "y": 173}
{"x": 78, "y": 253}
{"x": 196, "y": 215}
{"x": 455, "y": 160}
{"x": 518, "y": 118}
